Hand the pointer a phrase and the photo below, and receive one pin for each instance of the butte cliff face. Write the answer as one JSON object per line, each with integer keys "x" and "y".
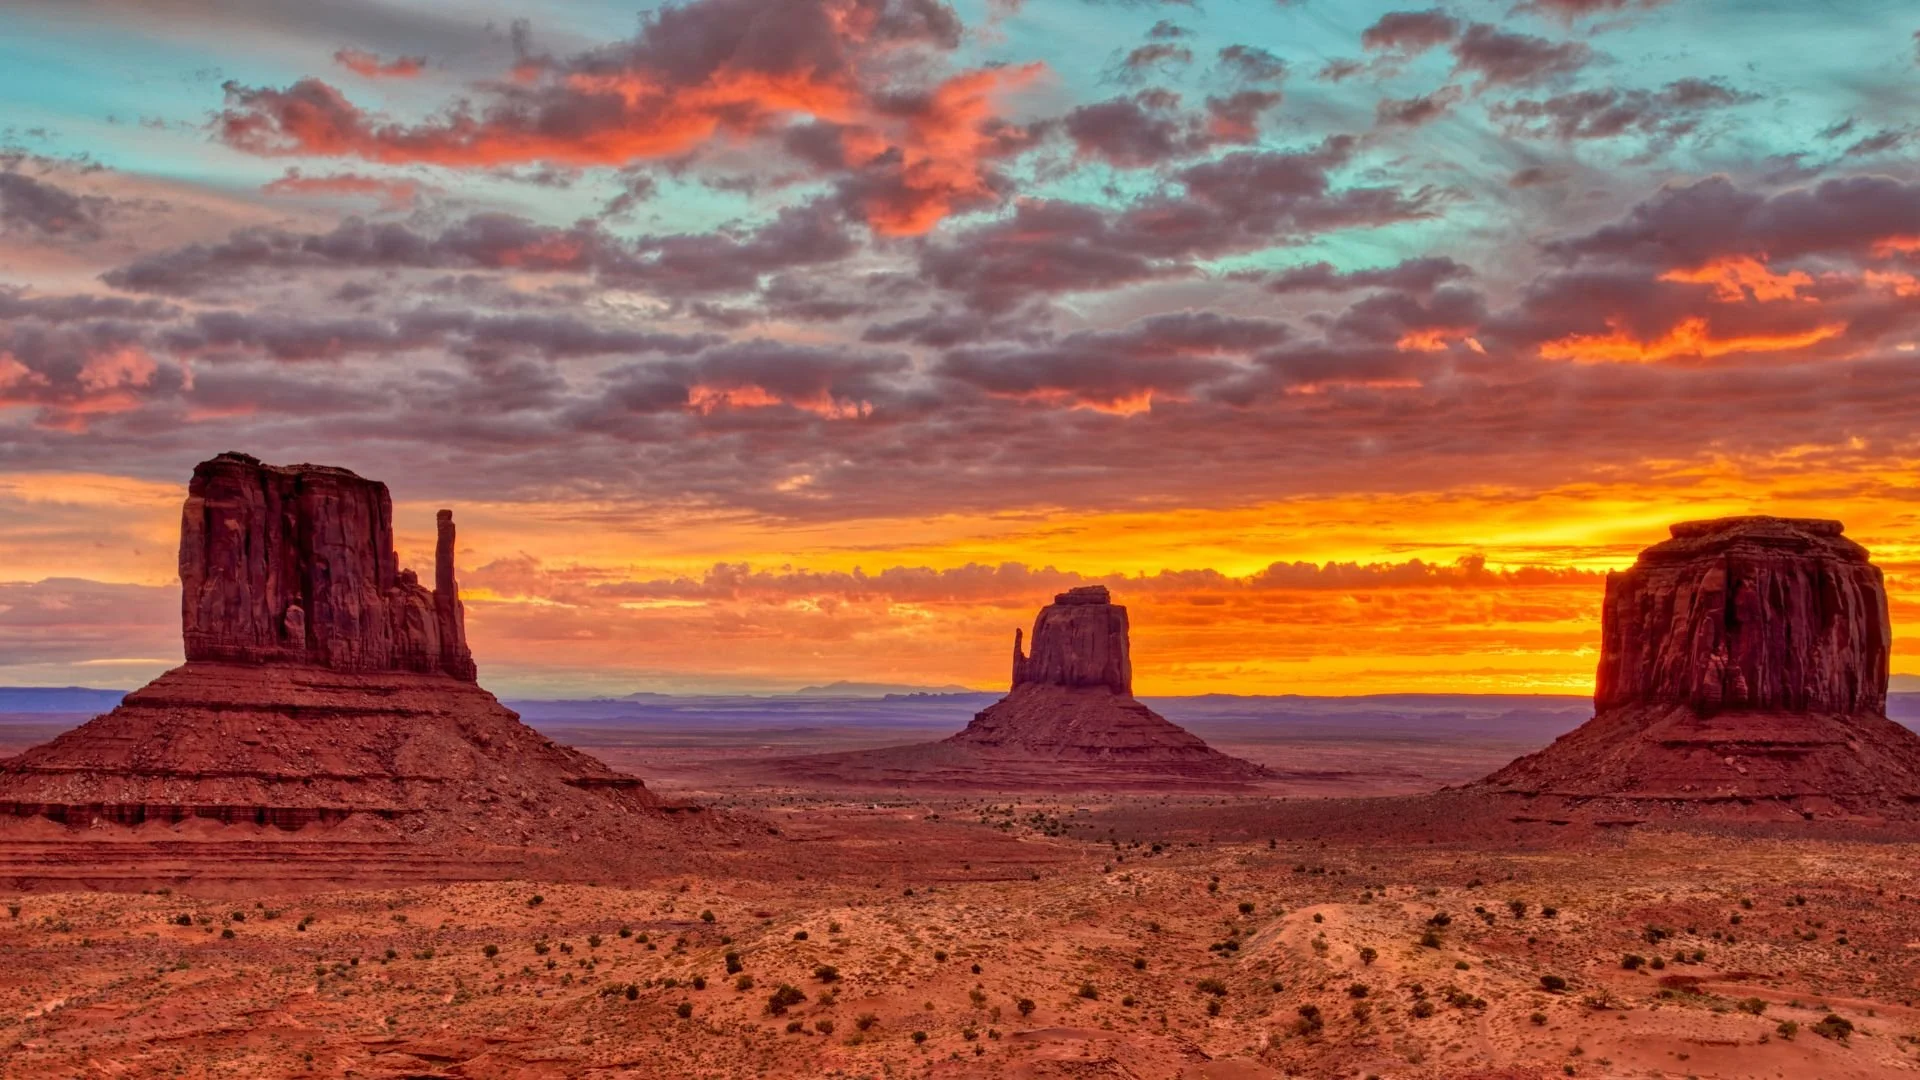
{"x": 1079, "y": 641}
{"x": 324, "y": 685}
{"x": 1759, "y": 613}
{"x": 1743, "y": 660}
{"x": 296, "y": 564}
{"x": 1070, "y": 721}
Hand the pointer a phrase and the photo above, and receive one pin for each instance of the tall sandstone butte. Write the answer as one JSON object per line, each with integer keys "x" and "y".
{"x": 295, "y": 564}
{"x": 1069, "y": 721}
{"x": 1743, "y": 660}
{"x": 323, "y": 684}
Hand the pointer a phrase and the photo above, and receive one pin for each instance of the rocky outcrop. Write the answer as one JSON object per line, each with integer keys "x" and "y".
{"x": 296, "y": 564}
{"x": 324, "y": 688}
{"x": 1747, "y": 613}
{"x": 1743, "y": 663}
{"x": 1079, "y": 640}
{"x": 1069, "y": 722}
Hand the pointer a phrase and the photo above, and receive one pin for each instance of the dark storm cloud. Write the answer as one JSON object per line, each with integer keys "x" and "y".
{"x": 1671, "y": 112}
{"x": 1688, "y": 224}
{"x": 1412, "y": 275}
{"x": 1502, "y": 58}
{"x": 38, "y": 208}
{"x": 673, "y": 264}
{"x": 1414, "y": 111}
{"x": 1242, "y": 201}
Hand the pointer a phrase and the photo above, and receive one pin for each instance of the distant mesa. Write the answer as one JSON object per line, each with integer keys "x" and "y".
{"x": 324, "y": 686}
{"x": 1743, "y": 664}
{"x": 1070, "y": 721}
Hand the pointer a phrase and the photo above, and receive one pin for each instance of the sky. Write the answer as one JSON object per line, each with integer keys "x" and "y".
{"x": 759, "y": 344}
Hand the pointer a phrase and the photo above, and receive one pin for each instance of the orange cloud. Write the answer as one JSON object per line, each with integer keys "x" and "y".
{"x": 1740, "y": 277}
{"x": 1691, "y": 339}
{"x": 913, "y": 158}
{"x": 1437, "y": 338}
{"x": 393, "y": 194}
{"x": 370, "y": 65}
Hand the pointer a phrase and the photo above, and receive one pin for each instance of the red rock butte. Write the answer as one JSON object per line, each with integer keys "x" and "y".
{"x": 325, "y": 689}
{"x": 1743, "y": 664}
{"x": 1069, "y": 722}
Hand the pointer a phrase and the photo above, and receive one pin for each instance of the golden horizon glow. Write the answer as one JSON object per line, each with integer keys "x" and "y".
{"x": 1316, "y": 595}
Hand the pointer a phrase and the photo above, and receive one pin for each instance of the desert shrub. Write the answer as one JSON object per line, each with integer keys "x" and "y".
{"x": 826, "y": 973}
{"x": 1518, "y": 907}
{"x": 1362, "y": 1011}
{"x": 1787, "y": 1029}
{"x": 490, "y": 951}
{"x": 1025, "y": 1005}
{"x": 1089, "y": 991}
{"x": 626, "y": 931}
{"x": 939, "y": 956}
{"x": 1211, "y": 986}
{"x": 1357, "y": 990}
{"x": 784, "y": 998}
{"x": 744, "y": 982}
{"x": 633, "y": 991}
{"x": 706, "y": 916}
{"x": 1423, "y": 1008}
{"x": 183, "y": 920}
{"x": 823, "y": 1025}
{"x": 865, "y": 1021}
{"x": 1657, "y": 964}
{"x": 699, "y": 982}
{"x": 1752, "y": 1005}
{"x": 1552, "y": 983}
{"x": 540, "y": 948}
{"x": 832, "y": 928}
{"x": 1440, "y": 918}
{"x": 919, "y": 1037}
{"x": 796, "y": 1027}
{"x": 1246, "y": 907}
{"x": 1429, "y": 940}
{"x": 733, "y": 963}
{"x": 227, "y": 934}
{"x": 799, "y": 935}
{"x": 1538, "y": 1019}
{"x": 536, "y": 900}
{"x": 1127, "y": 1002}
{"x": 1369, "y": 954}
{"x": 1834, "y": 1026}
{"x": 1139, "y": 963}
{"x": 1309, "y": 1021}
{"x": 1633, "y": 961}
{"x": 1213, "y": 1006}
{"x": 683, "y": 1010}
{"x": 593, "y": 941}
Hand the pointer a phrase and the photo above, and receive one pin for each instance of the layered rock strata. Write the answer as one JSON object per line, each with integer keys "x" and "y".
{"x": 323, "y": 684}
{"x": 1743, "y": 660}
{"x": 296, "y": 564}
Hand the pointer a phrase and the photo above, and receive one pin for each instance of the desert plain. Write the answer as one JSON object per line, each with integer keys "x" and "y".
{"x": 1266, "y": 933}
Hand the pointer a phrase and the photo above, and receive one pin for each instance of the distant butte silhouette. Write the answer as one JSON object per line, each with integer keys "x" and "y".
{"x": 1069, "y": 721}
{"x": 325, "y": 689}
{"x": 1743, "y": 666}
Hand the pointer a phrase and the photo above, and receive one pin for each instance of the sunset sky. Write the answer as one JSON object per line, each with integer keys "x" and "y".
{"x": 765, "y": 343}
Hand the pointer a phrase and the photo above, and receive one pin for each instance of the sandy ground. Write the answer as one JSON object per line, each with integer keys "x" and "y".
{"x": 974, "y": 938}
